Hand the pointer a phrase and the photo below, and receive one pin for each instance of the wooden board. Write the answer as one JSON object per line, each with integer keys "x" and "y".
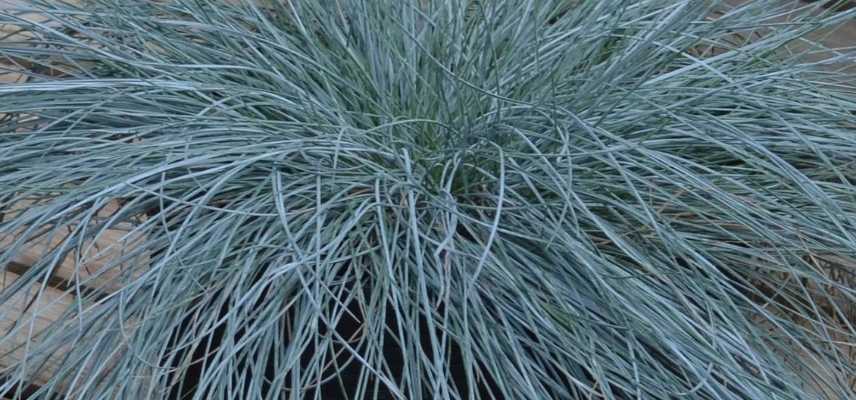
{"x": 101, "y": 264}
{"x": 25, "y": 320}
{"x": 39, "y": 325}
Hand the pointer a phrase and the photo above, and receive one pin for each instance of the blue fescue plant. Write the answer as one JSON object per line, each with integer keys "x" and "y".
{"x": 431, "y": 199}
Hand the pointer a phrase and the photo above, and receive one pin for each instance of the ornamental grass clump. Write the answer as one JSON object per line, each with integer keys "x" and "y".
{"x": 433, "y": 199}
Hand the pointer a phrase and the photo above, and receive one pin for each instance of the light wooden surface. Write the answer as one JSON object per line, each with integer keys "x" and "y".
{"x": 838, "y": 42}
{"x": 103, "y": 261}
{"x": 38, "y": 325}
{"x": 25, "y": 320}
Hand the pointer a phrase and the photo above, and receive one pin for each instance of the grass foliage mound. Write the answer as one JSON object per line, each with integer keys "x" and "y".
{"x": 432, "y": 199}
